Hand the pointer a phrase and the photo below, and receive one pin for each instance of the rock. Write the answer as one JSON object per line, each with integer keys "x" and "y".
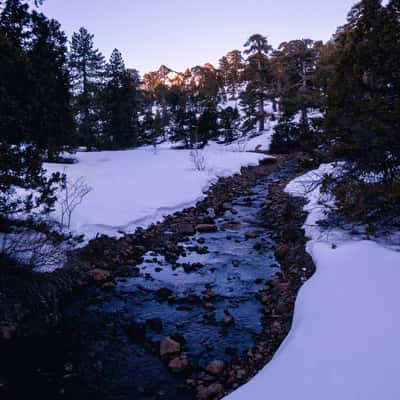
{"x": 231, "y": 226}
{"x": 241, "y": 374}
{"x": 171, "y": 257}
{"x": 268, "y": 161}
{"x": 258, "y": 246}
{"x": 201, "y": 250}
{"x": 209, "y": 306}
{"x": 290, "y": 234}
{"x": 155, "y": 324}
{"x": 186, "y": 229}
{"x": 283, "y": 308}
{"x": 236, "y": 263}
{"x": 215, "y": 367}
{"x": 208, "y": 295}
{"x": 281, "y": 251}
{"x": 136, "y": 331}
{"x": 99, "y": 275}
{"x": 227, "y": 206}
{"x": 228, "y": 319}
{"x": 192, "y": 299}
{"x": 208, "y": 392}
{"x": 179, "y": 364}
{"x": 210, "y": 316}
{"x": 251, "y": 235}
{"x": 109, "y": 286}
{"x": 192, "y": 267}
{"x": 164, "y": 293}
{"x": 169, "y": 347}
{"x": 205, "y": 228}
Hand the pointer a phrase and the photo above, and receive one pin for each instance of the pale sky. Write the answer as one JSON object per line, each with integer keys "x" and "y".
{"x": 185, "y": 33}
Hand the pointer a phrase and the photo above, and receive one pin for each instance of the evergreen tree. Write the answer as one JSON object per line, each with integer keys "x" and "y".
{"x": 51, "y": 120}
{"x": 15, "y": 79}
{"x": 14, "y": 21}
{"x": 25, "y": 189}
{"x": 234, "y": 72}
{"x": 363, "y": 111}
{"x": 87, "y": 72}
{"x": 207, "y": 126}
{"x": 120, "y": 119}
{"x": 295, "y": 64}
{"x": 258, "y": 73}
{"x": 249, "y": 102}
{"x": 229, "y": 123}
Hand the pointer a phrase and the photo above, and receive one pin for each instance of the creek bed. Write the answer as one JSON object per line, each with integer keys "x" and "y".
{"x": 237, "y": 262}
{"x": 209, "y": 305}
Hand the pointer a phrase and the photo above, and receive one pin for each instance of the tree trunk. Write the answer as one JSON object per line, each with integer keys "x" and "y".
{"x": 261, "y": 126}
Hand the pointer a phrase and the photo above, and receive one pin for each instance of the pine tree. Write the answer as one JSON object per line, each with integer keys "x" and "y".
{"x": 258, "y": 73}
{"x": 14, "y": 21}
{"x": 87, "y": 72}
{"x": 25, "y": 189}
{"x": 51, "y": 122}
{"x": 15, "y": 78}
{"x": 363, "y": 112}
{"x": 235, "y": 72}
{"x": 229, "y": 123}
{"x": 295, "y": 64}
{"x": 249, "y": 102}
{"x": 120, "y": 119}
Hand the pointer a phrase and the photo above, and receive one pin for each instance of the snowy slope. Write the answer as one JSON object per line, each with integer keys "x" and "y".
{"x": 345, "y": 339}
{"x": 136, "y": 187}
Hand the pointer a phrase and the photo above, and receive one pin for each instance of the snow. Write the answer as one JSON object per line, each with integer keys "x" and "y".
{"x": 137, "y": 187}
{"x": 344, "y": 342}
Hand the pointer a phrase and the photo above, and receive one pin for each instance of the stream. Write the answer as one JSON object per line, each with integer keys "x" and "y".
{"x": 206, "y": 302}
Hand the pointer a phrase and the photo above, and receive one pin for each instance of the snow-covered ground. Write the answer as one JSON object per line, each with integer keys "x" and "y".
{"x": 137, "y": 187}
{"x": 345, "y": 339}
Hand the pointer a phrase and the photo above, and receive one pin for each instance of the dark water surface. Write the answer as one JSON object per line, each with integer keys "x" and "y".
{"x": 101, "y": 361}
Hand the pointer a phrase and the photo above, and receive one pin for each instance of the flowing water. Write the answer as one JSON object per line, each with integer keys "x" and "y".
{"x": 101, "y": 359}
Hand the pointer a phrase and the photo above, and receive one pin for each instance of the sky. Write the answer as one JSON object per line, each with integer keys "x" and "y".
{"x": 185, "y": 33}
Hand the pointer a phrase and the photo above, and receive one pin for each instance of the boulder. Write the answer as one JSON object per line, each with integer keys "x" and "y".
{"x": 186, "y": 229}
{"x": 209, "y": 392}
{"x": 179, "y": 364}
{"x": 205, "y": 228}
{"x": 169, "y": 347}
{"x": 251, "y": 235}
{"x": 236, "y": 263}
{"x": 215, "y": 367}
{"x": 99, "y": 275}
{"x": 164, "y": 293}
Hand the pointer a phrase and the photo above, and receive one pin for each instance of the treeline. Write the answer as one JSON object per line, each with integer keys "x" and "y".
{"x": 206, "y": 103}
{"x": 59, "y": 95}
